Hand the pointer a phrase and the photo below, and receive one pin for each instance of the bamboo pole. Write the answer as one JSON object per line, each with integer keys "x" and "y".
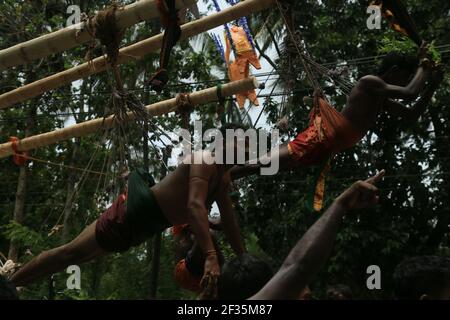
{"x": 77, "y": 34}
{"x": 135, "y": 51}
{"x": 156, "y": 109}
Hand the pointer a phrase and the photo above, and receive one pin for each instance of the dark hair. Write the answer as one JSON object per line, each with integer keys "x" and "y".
{"x": 242, "y": 277}
{"x": 343, "y": 290}
{"x": 7, "y": 290}
{"x": 421, "y": 275}
{"x": 404, "y": 62}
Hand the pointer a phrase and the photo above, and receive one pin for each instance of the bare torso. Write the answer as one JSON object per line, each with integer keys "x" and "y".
{"x": 172, "y": 192}
{"x": 363, "y": 106}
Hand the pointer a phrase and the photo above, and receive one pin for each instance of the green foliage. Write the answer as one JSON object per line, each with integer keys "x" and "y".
{"x": 406, "y": 46}
{"x": 23, "y": 235}
{"x": 395, "y": 43}
{"x": 412, "y": 218}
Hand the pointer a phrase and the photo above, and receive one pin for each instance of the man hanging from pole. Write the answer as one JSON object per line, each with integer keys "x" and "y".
{"x": 183, "y": 196}
{"x": 330, "y": 132}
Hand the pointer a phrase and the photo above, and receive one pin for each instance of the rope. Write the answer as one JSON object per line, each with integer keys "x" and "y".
{"x": 19, "y": 158}
{"x": 305, "y": 57}
{"x": 8, "y": 268}
{"x": 259, "y": 92}
{"x": 27, "y": 157}
{"x": 104, "y": 27}
{"x": 309, "y": 74}
{"x": 184, "y": 107}
{"x": 262, "y": 109}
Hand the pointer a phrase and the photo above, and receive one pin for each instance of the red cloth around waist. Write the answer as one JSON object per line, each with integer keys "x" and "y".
{"x": 113, "y": 232}
{"x": 186, "y": 279}
{"x": 329, "y": 132}
{"x": 338, "y": 130}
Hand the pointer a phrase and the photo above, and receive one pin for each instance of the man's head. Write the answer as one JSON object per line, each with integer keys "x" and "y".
{"x": 243, "y": 277}
{"x": 425, "y": 277}
{"x": 339, "y": 292}
{"x": 397, "y": 68}
{"x": 306, "y": 294}
{"x": 237, "y": 143}
{"x": 7, "y": 290}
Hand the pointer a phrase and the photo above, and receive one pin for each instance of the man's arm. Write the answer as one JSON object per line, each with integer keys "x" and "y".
{"x": 412, "y": 90}
{"x": 198, "y": 219}
{"x": 230, "y": 225}
{"x": 196, "y": 256}
{"x": 314, "y": 248}
{"x": 413, "y": 114}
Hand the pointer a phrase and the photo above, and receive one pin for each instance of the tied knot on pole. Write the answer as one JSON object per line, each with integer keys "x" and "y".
{"x": 20, "y": 158}
{"x": 185, "y": 108}
{"x": 103, "y": 27}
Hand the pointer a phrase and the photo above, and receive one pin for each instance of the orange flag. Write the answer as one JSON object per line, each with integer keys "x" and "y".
{"x": 240, "y": 68}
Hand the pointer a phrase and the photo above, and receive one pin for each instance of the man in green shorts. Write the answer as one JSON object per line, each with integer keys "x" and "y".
{"x": 144, "y": 209}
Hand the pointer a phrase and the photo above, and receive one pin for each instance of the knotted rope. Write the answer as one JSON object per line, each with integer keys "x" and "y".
{"x": 20, "y": 158}
{"x": 185, "y": 108}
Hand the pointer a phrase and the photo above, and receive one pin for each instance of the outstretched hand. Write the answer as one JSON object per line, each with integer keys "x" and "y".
{"x": 361, "y": 194}
{"x": 210, "y": 277}
{"x": 423, "y": 51}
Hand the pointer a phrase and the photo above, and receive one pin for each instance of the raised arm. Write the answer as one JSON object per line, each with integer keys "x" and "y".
{"x": 412, "y": 90}
{"x": 413, "y": 114}
{"x": 230, "y": 225}
{"x": 314, "y": 248}
{"x": 409, "y": 92}
{"x": 198, "y": 220}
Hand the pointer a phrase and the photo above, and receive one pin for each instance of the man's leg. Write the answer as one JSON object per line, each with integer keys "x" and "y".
{"x": 284, "y": 157}
{"x": 82, "y": 249}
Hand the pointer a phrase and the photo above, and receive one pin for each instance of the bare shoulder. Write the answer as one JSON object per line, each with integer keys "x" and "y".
{"x": 225, "y": 183}
{"x": 201, "y": 165}
{"x": 226, "y": 178}
{"x": 370, "y": 81}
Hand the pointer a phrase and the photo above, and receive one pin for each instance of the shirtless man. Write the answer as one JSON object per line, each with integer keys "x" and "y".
{"x": 181, "y": 197}
{"x": 248, "y": 277}
{"x": 312, "y": 251}
{"x": 331, "y": 132}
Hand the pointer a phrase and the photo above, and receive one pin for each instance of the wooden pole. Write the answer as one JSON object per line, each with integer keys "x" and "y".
{"x": 157, "y": 109}
{"x": 130, "y": 53}
{"x": 77, "y": 34}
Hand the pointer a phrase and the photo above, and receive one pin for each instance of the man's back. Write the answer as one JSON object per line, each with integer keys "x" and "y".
{"x": 399, "y": 77}
{"x": 364, "y": 103}
{"x": 172, "y": 192}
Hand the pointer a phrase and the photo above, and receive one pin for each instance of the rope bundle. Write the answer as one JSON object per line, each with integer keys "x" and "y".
{"x": 185, "y": 108}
